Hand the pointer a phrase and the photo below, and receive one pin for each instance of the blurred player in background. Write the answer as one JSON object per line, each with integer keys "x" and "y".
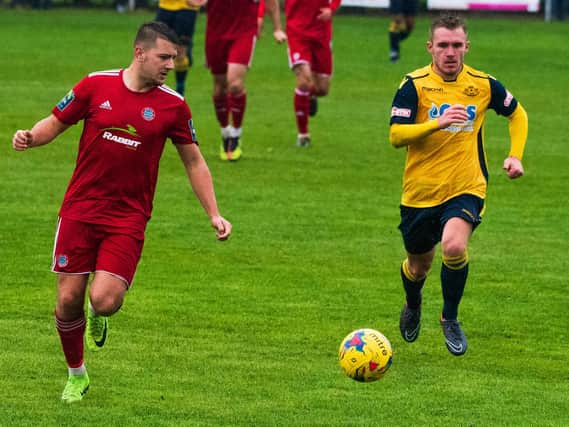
{"x": 127, "y": 116}
{"x": 181, "y": 17}
{"x": 403, "y": 13}
{"x": 309, "y": 32}
{"x": 231, "y": 34}
{"x": 438, "y": 115}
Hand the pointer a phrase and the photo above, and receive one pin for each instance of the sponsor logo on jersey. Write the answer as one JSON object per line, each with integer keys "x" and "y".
{"x": 400, "y": 112}
{"x": 192, "y": 129}
{"x": 432, "y": 89}
{"x": 106, "y": 105}
{"x": 148, "y": 114}
{"x": 471, "y": 91}
{"x": 62, "y": 260}
{"x": 110, "y": 135}
{"x": 435, "y": 112}
{"x": 508, "y": 100}
{"x": 66, "y": 100}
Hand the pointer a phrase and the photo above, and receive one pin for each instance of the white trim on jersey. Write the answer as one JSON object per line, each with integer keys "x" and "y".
{"x": 170, "y": 91}
{"x": 105, "y": 73}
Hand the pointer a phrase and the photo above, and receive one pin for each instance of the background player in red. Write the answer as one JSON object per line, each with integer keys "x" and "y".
{"x": 127, "y": 115}
{"x": 309, "y": 32}
{"x": 231, "y": 34}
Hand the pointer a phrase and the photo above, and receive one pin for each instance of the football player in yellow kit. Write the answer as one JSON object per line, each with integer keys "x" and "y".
{"x": 438, "y": 114}
{"x": 180, "y": 16}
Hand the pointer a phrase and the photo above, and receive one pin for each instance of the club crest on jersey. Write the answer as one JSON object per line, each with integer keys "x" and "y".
{"x": 66, "y": 100}
{"x": 62, "y": 261}
{"x": 192, "y": 129}
{"x": 148, "y": 114}
{"x": 471, "y": 91}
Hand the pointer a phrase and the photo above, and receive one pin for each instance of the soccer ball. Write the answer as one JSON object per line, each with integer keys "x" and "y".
{"x": 365, "y": 355}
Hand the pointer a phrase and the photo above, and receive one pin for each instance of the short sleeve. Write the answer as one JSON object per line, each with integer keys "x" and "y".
{"x": 183, "y": 131}
{"x": 405, "y": 103}
{"x": 501, "y": 100}
{"x": 74, "y": 106}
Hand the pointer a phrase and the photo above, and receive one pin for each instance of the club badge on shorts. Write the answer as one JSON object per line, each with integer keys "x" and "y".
{"x": 62, "y": 260}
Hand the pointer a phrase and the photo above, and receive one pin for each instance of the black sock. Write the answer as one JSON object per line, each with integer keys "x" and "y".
{"x": 453, "y": 282}
{"x": 412, "y": 289}
{"x": 394, "y": 41}
{"x": 180, "y": 81}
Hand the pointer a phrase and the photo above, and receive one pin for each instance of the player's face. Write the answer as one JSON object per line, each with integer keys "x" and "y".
{"x": 157, "y": 61}
{"x": 448, "y": 48}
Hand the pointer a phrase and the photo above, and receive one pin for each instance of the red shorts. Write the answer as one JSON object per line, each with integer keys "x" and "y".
{"x": 83, "y": 248}
{"x": 220, "y": 52}
{"x": 316, "y": 53}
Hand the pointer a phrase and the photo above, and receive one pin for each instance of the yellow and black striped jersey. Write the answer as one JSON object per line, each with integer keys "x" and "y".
{"x": 450, "y": 161}
{"x": 175, "y": 5}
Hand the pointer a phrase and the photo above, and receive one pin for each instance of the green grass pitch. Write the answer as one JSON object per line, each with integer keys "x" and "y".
{"x": 246, "y": 333}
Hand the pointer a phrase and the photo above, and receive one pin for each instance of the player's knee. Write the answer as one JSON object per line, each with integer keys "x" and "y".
{"x": 236, "y": 87}
{"x": 69, "y": 303}
{"x": 181, "y": 63}
{"x": 106, "y": 305}
{"x": 322, "y": 90}
{"x": 453, "y": 248}
{"x": 106, "y": 300}
{"x": 397, "y": 24}
{"x": 418, "y": 269}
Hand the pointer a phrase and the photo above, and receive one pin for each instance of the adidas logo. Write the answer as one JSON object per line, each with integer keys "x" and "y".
{"x": 106, "y": 105}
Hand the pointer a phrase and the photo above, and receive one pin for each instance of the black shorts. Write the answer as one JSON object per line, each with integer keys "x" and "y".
{"x": 422, "y": 228}
{"x": 183, "y": 22}
{"x": 403, "y": 7}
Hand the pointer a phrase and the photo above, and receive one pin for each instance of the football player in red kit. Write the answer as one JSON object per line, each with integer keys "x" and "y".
{"x": 309, "y": 32}
{"x": 231, "y": 34}
{"x": 127, "y": 116}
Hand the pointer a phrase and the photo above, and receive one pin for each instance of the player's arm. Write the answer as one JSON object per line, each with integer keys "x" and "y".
{"x": 401, "y": 135}
{"x": 327, "y": 12}
{"x": 505, "y": 104}
{"x": 518, "y": 128}
{"x": 43, "y": 132}
{"x": 202, "y": 184}
{"x": 196, "y": 3}
{"x": 273, "y": 9}
{"x": 260, "y": 18}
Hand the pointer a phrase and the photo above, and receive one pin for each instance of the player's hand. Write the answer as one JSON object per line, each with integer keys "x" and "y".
{"x": 513, "y": 167}
{"x": 196, "y": 3}
{"x": 455, "y": 114}
{"x": 22, "y": 140}
{"x": 222, "y": 227}
{"x": 280, "y": 36}
{"x": 260, "y": 23}
{"x": 325, "y": 14}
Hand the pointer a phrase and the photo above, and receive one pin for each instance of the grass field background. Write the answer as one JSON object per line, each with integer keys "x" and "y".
{"x": 246, "y": 332}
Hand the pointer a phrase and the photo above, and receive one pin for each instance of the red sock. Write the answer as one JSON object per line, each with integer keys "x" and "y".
{"x": 71, "y": 336}
{"x": 237, "y": 104}
{"x": 301, "y": 109}
{"x": 220, "y": 103}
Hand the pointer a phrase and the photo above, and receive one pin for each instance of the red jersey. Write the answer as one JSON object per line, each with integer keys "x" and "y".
{"x": 301, "y": 18}
{"x": 123, "y": 137}
{"x": 231, "y": 19}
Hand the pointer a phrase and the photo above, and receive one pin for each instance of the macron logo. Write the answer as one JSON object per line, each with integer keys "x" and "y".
{"x": 106, "y": 105}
